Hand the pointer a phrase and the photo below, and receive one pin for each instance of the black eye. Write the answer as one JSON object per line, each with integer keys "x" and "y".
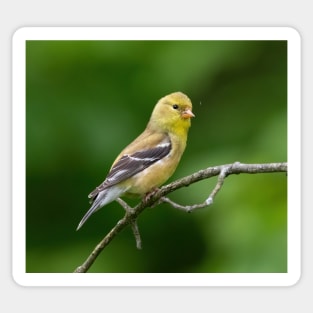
{"x": 175, "y": 106}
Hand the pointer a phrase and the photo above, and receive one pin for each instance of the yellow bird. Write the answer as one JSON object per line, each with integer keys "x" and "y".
{"x": 151, "y": 158}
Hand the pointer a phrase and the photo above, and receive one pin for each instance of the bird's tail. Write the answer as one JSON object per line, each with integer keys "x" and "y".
{"x": 95, "y": 206}
{"x": 104, "y": 197}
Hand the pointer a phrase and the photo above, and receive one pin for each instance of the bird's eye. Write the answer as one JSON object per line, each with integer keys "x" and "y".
{"x": 175, "y": 106}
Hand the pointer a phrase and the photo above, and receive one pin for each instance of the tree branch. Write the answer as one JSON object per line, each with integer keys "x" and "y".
{"x": 158, "y": 196}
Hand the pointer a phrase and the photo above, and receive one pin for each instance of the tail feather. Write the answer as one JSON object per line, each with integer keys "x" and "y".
{"x": 104, "y": 197}
{"x": 92, "y": 210}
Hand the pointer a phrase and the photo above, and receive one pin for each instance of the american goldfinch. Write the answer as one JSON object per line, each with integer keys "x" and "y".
{"x": 151, "y": 158}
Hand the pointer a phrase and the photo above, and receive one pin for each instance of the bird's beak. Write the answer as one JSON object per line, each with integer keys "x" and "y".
{"x": 187, "y": 114}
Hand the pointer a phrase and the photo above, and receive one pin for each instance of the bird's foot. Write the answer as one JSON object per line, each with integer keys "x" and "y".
{"x": 149, "y": 195}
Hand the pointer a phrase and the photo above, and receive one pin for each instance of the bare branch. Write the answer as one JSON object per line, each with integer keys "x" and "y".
{"x": 130, "y": 217}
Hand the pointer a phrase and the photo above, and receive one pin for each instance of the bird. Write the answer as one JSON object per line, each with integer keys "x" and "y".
{"x": 151, "y": 159}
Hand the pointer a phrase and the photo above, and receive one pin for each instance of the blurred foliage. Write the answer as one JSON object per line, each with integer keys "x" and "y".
{"x": 86, "y": 100}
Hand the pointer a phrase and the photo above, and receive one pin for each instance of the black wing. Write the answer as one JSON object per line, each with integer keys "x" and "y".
{"x": 130, "y": 165}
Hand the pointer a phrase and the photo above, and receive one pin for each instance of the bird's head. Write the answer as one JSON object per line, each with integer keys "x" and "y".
{"x": 173, "y": 112}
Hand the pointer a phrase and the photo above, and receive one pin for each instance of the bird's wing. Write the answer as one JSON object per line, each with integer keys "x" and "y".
{"x": 131, "y": 164}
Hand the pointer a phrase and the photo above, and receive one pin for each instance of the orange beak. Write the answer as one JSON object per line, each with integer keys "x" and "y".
{"x": 187, "y": 114}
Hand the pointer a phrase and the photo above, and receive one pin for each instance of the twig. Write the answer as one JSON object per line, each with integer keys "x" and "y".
{"x": 189, "y": 208}
{"x": 134, "y": 224}
{"x": 186, "y": 208}
{"x": 131, "y": 214}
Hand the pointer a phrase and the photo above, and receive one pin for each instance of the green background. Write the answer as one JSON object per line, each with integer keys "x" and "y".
{"x": 86, "y": 100}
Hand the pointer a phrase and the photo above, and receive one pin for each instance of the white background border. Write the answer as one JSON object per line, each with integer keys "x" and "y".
{"x": 156, "y": 33}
